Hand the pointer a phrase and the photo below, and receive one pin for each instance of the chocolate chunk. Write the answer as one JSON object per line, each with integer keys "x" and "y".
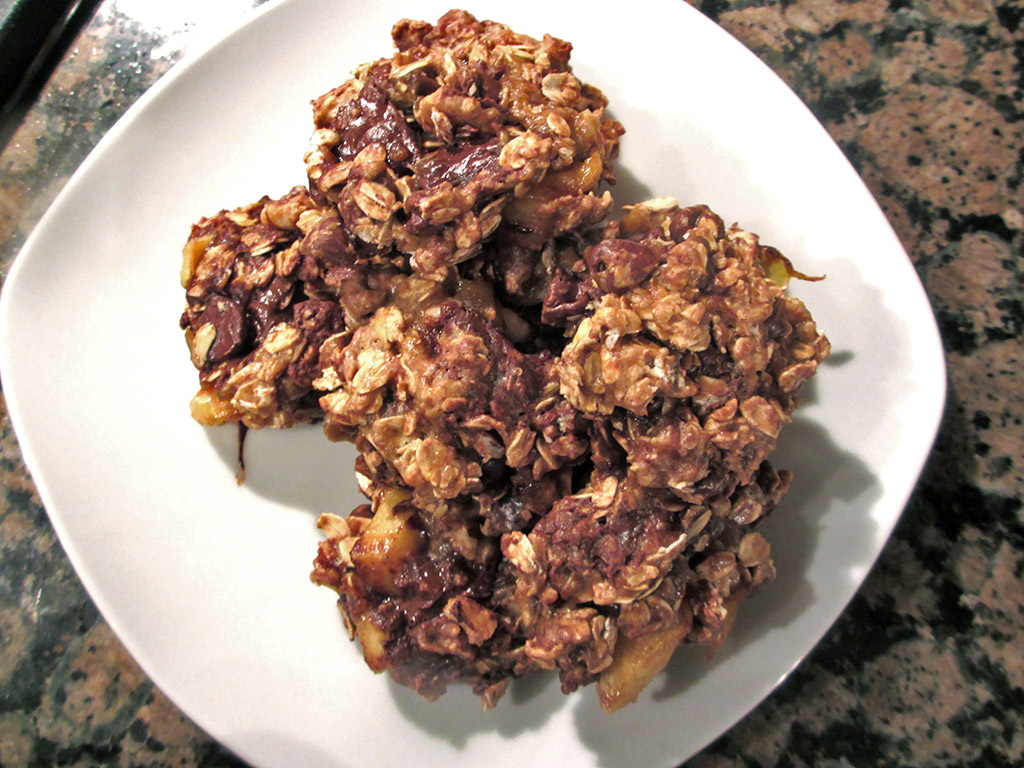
{"x": 495, "y": 473}
{"x": 371, "y": 118}
{"x": 328, "y": 243}
{"x": 266, "y": 308}
{"x": 456, "y": 166}
{"x": 227, "y": 317}
{"x": 565, "y": 299}
{"x": 318, "y": 315}
{"x": 617, "y": 265}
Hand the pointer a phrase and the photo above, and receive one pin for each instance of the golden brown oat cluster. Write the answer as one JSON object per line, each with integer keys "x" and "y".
{"x": 469, "y": 131}
{"x": 562, "y": 429}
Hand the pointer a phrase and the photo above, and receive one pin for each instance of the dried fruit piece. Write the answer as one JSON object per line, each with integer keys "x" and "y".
{"x": 636, "y": 663}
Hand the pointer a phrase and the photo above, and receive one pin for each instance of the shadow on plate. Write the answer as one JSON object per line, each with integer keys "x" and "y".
{"x": 455, "y": 717}
{"x": 297, "y": 467}
{"x": 628, "y": 190}
{"x": 824, "y": 476}
{"x": 285, "y": 749}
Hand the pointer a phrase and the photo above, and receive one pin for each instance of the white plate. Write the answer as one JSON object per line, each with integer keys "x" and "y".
{"x": 207, "y": 582}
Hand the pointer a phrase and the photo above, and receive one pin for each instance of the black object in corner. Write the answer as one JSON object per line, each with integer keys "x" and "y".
{"x": 34, "y": 36}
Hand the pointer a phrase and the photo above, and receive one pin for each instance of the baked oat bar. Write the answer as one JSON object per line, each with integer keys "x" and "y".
{"x": 265, "y": 285}
{"x": 681, "y": 360}
{"x": 687, "y": 354}
{"x": 469, "y": 131}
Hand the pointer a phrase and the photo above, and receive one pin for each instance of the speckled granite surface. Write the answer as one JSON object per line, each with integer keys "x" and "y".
{"x": 926, "y": 666}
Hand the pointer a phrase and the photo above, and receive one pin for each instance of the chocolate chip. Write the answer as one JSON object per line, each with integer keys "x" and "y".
{"x": 495, "y": 473}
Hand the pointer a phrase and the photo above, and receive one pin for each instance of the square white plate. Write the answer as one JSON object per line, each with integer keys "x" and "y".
{"x": 207, "y": 582}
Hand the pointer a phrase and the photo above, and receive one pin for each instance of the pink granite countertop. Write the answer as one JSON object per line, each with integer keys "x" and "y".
{"x": 926, "y": 665}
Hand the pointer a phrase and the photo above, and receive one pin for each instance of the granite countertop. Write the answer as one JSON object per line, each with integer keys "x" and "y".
{"x": 926, "y": 665}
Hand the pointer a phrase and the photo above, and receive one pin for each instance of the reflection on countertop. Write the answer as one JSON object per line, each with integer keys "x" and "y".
{"x": 926, "y": 98}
